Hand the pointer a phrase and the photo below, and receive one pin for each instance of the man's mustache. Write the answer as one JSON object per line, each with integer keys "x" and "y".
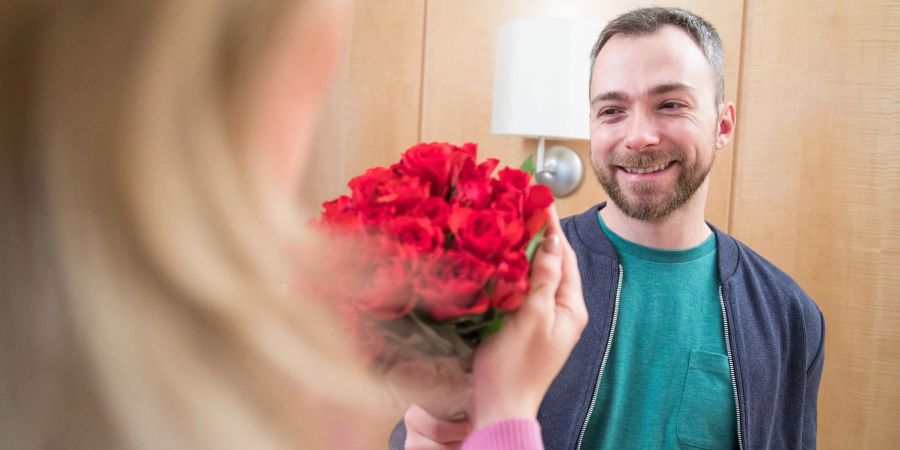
{"x": 646, "y": 158}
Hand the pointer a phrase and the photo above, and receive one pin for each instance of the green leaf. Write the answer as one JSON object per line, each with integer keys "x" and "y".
{"x": 492, "y": 327}
{"x": 535, "y": 242}
{"x": 528, "y": 165}
{"x": 475, "y": 328}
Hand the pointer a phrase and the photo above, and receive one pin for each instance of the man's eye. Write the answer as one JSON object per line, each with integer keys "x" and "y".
{"x": 607, "y": 112}
{"x": 671, "y": 105}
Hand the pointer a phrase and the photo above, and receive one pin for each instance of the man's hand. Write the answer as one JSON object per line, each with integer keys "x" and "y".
{"x": 426, "y": 432}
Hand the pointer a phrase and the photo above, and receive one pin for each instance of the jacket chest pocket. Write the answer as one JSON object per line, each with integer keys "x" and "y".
{"x": 706, "y": 418}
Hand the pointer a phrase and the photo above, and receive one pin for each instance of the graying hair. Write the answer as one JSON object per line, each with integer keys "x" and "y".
{"x": 648, "y": 20}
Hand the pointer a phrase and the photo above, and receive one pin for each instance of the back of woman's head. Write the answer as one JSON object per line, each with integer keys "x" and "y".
{"x": 142, "y": 253}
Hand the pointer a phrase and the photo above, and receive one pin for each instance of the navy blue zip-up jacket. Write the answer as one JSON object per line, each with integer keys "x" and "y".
{"x": 776, "y": 338}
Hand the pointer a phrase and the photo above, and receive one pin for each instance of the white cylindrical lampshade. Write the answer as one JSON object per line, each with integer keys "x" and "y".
{"x": 541, "y": 77}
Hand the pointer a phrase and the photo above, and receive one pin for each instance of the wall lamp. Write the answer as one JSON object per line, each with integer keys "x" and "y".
{"x": 541, "y": 91}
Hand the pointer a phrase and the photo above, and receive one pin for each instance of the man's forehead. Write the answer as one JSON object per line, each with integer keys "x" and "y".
{"x": 666, "y": 36}
{"x": 630, "y": 63}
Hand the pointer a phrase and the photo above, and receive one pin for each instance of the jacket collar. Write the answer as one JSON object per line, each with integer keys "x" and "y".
{"x": 589, "y": 233}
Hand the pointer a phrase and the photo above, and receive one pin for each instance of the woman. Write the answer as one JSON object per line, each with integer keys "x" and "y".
{"x": 149, "y": 150}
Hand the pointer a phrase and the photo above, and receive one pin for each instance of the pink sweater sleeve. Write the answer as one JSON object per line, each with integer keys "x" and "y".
{"x": 518, "y": 434}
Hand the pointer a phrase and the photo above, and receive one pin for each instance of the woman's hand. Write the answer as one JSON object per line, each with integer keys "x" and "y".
{"x": 514, "y": 368}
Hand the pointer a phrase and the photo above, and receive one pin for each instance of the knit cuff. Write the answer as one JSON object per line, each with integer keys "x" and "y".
{"x": 513, "y": 434}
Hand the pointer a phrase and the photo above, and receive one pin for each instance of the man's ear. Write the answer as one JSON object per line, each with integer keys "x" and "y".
{"x": 292, "y": 86}
{"x": 725, "y": 130}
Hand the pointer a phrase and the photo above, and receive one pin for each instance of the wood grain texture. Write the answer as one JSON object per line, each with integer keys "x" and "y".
{"x": 459, "y": 70}
{"x": 373, "y": 111}
{"x": 817, "y": 191}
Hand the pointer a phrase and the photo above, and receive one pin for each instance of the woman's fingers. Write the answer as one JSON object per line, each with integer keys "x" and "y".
{"x": 570, "y": 308}
{"x": 553, "y": 226}
{"x": 546, "y": 273}
{"x": 561, "y": 280}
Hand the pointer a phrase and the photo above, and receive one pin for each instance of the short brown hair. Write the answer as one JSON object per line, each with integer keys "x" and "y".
{"x": 648, "y": 20}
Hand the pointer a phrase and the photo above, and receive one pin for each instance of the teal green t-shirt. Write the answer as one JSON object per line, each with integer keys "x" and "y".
{"x": 666, "y": 383}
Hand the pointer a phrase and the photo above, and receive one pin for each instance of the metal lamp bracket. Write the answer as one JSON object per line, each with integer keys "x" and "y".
{"x": 558, "y": 168}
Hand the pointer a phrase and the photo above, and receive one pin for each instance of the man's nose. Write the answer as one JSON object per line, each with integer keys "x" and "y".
{"x": 641, "y": 132}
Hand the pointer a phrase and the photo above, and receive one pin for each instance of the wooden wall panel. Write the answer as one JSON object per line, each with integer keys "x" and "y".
{"x": 459, "y": 70}
{"x": 373, "y": 112}
{"x": 817, "y": 190}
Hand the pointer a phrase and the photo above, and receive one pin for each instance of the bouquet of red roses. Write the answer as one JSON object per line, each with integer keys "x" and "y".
{"x": 431, "y": 252}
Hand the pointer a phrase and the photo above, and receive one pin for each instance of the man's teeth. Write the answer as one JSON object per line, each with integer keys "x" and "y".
{"x": 642, "y": 170}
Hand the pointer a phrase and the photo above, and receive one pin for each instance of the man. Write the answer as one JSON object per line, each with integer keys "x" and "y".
{"x": 694, "y": 340}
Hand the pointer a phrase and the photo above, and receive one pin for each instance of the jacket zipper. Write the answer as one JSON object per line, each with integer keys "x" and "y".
{"x": 737, "y": 406}
{"x": 612, "y": 332}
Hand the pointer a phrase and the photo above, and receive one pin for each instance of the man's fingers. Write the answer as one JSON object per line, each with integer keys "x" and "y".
{"x": 420, "y": 422}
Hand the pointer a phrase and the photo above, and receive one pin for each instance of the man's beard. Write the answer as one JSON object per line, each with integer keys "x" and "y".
{"x": 647, "y": 205}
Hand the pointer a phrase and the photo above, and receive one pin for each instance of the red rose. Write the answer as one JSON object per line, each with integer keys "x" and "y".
{"x": 539, "y": 197}
{"x": 510, "y": 282}
{"x": 431, "y": 163}
{"x": 485, "y": 234}
{"x": 415, "y": 232}
{"x": 381, "y": 194}
{"x": 513, "y": 180}
{"x": 375, "y": 279}
{"x": 436, "y": 210}
{"x": 486, "y": 168}
{"x": 469, "y": 170}
{"x": 508, "y": 202}
{"x": 340, "y": 212}
{"x": 473, "y": 184}
{"x": 536, "y": 202}
{"x": 365, "y": 187}
{"x": 450, "y": 285}
{"x": 468, "y": 150}
{"x": 459, "y": 157}
{"x": 473, "y": 192}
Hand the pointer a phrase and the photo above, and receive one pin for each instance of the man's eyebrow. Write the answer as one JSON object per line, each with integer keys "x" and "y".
{"x": 670, "y": 87}
{"x": 611, "y": 95}
{"x": 656, "y": 90}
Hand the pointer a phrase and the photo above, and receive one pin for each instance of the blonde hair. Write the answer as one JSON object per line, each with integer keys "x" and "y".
{"x": 142, "y": 261}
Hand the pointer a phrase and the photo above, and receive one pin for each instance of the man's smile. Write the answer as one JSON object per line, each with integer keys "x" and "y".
{"x": 646, "y": 169}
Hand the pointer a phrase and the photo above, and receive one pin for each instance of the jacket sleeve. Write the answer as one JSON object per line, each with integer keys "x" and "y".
{"x": 813, "y": 377}
{"x": 398, "y": 437}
